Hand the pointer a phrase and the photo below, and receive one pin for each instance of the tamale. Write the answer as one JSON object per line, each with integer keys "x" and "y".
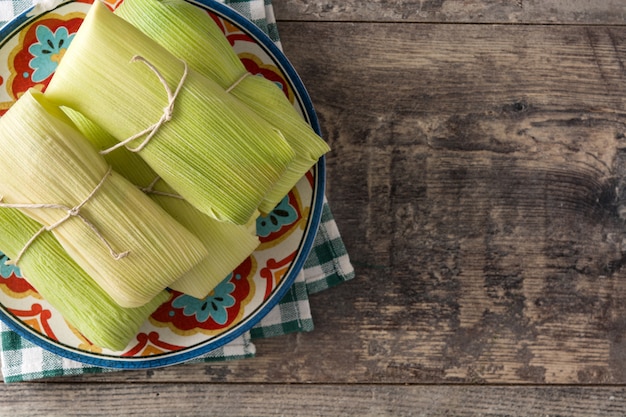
{"x": 68, "y": 288}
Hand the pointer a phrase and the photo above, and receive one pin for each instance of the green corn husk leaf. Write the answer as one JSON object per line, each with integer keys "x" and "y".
{"x": 216, "y": 153}
{"x": 227, "y": 244}
{"x": 45, "y": 160}
{"x": 187, "y": 32}
{"x": 68, "y": 288}
{"x": 263, "y": 97}
{"x": 185, "y": 29}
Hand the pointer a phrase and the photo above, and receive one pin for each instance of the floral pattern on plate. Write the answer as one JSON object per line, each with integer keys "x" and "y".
{"x": 221, "y": 308}
{"x": 39, "y": 50}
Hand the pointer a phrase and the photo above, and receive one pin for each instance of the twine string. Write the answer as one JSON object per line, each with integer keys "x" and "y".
{"x": 236, "y": 83}
{"x": 167, "y": 110}
{"x": 70, "y": 212}
{"x": 150, "y": 189}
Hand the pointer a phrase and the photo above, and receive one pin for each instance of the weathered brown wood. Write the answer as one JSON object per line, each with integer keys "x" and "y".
{"x": 478, "y": 176}
{"x": 308, "y": 400}
{"x": 606, "y": 12}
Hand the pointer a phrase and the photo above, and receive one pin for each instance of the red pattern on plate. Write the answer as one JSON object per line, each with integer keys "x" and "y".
{"x": 17, "y": 287}
{"x": 274, "y": 271}
{"x": 37, "y": 318}
{"x": 150, "y": 344}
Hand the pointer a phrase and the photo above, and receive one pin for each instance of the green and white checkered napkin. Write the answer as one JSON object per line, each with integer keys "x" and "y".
{"x": 327, "y": 265}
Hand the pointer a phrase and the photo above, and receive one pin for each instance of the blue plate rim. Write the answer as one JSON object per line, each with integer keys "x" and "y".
{"x": 173, "y": 358}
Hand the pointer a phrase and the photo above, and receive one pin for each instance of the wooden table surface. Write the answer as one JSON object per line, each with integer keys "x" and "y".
{"x": 478, "y": 176}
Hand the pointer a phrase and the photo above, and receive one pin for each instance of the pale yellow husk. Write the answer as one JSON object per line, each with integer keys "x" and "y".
{"x": 45, "y": 160}
{"x": 214, "y": 151}
{"x": 227, "y": 244}
{"x": 192, "y": 35}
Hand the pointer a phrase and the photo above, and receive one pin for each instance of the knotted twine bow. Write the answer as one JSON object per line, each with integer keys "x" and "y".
{"x": 150, "y": 189}
{"x": 166, "y": 117}
{"x": 167, "y": 111}
{"x": 70, "y": 212}
{"x": 236, "y": 83}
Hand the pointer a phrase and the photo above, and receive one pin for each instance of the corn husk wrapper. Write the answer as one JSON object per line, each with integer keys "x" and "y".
{"x": 184, "y": 30}
{"x": 214, "y": 151}
{"x": 45, "y": 160}
{"x": 227, "y": 244}
{"x": 68, "y": 288}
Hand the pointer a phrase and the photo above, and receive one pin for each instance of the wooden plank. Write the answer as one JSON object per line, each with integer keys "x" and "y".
{"x": 307, "y": 400}
{"x": 608, "y": 12}
{"x": 477, "y": 178}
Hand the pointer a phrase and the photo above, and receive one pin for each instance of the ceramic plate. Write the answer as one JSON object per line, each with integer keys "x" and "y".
{"x": 183, "y": 327}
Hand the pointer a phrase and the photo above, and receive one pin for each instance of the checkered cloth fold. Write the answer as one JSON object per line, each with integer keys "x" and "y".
{"x": 327, "y": 266}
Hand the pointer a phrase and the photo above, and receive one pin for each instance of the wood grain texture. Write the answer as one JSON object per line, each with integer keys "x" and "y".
{"x": 477, "y": 175}
{"x": 606, "y": 12}
{"x": 315, "y": 400}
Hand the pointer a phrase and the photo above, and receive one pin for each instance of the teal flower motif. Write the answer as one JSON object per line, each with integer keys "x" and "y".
{"x": 283, "y": 214}
{"x": 214, "y": 305}
{"x": 48, "y": 51}
{"x": 7, "y": 270}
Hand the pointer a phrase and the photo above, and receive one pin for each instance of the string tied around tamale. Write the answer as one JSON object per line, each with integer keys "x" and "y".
{"x": 70, "y": 212}
{"x": 150, "y": 189}
{"x": 236, "y": 83}
{"x": 167, "y": 110}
